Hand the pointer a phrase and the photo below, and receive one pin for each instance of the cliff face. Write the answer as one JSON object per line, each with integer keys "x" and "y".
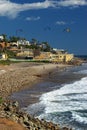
{"x": 11, "y": 116}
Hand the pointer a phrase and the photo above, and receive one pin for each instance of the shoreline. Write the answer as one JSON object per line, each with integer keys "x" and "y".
{"x": 16, "y": 77}
{"x": 44, "y": 83}
{"x": 29, "y": 96}
{"x": 32, "y": 75}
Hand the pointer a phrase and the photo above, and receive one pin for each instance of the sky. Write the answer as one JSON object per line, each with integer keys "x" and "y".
{"x": 61, "y": 23}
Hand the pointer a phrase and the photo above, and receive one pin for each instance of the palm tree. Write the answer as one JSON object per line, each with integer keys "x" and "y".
{"x": 34, "y": 41}
{"x": 46, "y": 46}
{"x": 14, "y": 39}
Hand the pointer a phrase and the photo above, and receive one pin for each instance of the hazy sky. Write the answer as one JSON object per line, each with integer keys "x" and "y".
{"x": 47, "y": 20}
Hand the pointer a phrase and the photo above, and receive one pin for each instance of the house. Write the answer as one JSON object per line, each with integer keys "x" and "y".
{"x": 43, "y": 56}
{"x": 14, "y": 49}
{"x": 69, "y": 57}
{"x": 62, "y": 57}
{"x": 1, "y": 38}
{"x": 60, "y": 51}
{"x": 4, "y": 56}
{"x": 14, "y": 44}
{"x": 25, "y": 53}
{"x": 23, "y": 42}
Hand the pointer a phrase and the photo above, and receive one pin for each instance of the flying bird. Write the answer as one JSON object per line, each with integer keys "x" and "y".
{"x": 67, "y": 30}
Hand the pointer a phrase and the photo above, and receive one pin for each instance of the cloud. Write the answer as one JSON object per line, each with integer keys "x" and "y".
{"x": 12, "y": 10}
{"x": 72, "y": 3}
{"x": 61, "y": 23}
{"x": 32, "y": 18}
{"x": 65, "y": 23}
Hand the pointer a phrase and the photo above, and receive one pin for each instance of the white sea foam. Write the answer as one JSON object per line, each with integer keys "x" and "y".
{"x": 79, "y": 118}
{"x": 70, "y": 97}
{"x": 67, "y": 98}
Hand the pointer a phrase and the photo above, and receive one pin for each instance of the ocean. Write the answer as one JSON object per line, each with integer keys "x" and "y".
{"x": 65, "y": 104}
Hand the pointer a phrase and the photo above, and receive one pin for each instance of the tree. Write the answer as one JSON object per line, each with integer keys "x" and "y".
{"x": 5, "y": 38}
{"x": 13, "y": 39}
{"x": 34, "y": 41}
{"x": 46, "y": 46}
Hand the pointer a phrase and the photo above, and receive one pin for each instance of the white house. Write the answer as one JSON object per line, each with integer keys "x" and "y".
{"x": 23, "y": 42}
{"x": 1, "y": 38}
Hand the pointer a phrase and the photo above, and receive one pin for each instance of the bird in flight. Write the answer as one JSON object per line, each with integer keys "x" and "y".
{"x": 67, "y": 30}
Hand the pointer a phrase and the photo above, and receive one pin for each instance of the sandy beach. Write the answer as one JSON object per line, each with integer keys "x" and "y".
{"x": 19, "y": 76}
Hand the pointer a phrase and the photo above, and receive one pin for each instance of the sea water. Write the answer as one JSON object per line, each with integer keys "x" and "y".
{"x": 65, "y": 105}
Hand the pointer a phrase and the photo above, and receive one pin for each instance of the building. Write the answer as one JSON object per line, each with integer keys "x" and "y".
{"x": 23, "y": 42}
{"x": 1, "y": 38}
{"x": 61, "y": 56}
{"x": 4, "y": 56}
{"x": 25, "y": 53}
{"x": 60, "y": 51}
{"x": 44, "y": 56}
{"x": 65, "y": 58}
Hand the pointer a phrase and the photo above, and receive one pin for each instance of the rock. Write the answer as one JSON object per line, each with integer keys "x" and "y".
{"x": 11, "y": 111}
{"x": 15, "y": 104}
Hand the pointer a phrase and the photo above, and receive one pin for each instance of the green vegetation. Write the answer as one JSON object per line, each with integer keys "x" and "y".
{"x": 5, "y": 62}
{"x": 8, "y": 62}
{"x": 46, "y": 47}
{"x": 9, "y": 47}
{"x": 14, "y": 39}
{"x": 1, "y": 100}
{"x": 35, "y": 44}
{"x": 5, "y": 38}
{"x": 10, "y": 54}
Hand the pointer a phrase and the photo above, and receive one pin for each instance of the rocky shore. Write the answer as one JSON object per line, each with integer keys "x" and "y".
{"x": 10, "y": 110}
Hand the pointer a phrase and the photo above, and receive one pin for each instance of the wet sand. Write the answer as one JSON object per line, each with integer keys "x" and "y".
{"x": 57, "y": 77}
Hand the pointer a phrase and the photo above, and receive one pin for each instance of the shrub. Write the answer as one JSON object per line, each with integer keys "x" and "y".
{"x": 1, "y": 100}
